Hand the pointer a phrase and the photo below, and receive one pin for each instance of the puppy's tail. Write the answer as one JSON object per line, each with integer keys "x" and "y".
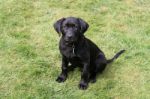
{"x": 116, "y": 56}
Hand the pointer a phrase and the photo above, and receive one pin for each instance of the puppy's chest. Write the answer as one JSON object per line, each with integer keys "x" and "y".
{"x": 69, "y": 52}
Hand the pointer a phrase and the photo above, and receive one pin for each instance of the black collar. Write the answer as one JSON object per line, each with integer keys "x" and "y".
{"x": 74, "y": 45}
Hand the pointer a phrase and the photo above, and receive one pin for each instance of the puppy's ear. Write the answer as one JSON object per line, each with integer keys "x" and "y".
{"x": 83, "y": 25}
{"x": 57, "y": 25}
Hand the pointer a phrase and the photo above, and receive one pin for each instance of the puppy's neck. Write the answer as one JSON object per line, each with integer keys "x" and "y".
{"x": 71, "y": 50}
{"x": 75, "y": 44}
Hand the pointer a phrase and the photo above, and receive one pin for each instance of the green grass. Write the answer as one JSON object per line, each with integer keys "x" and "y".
{"x": 30, "y": 59}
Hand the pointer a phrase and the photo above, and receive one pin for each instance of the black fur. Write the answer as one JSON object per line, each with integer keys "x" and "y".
{"x": 78, "y": 50}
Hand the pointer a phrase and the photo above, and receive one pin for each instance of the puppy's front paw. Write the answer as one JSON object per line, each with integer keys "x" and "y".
{"x": 61, "y": 78}
{"x": 83, "y": 85}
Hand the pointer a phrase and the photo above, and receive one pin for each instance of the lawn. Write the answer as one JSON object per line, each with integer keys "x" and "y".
{"x": 30, "y": 59}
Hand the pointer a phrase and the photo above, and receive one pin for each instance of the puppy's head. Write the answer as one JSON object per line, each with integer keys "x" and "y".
{"x": 71, "y": 28}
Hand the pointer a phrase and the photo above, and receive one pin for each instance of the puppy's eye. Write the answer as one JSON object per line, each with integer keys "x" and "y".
{"x": 63, "y": 33}
{"x": 76, "y": 27}
{"x": 64, "y": 26}
{"x": 67, "y": 25}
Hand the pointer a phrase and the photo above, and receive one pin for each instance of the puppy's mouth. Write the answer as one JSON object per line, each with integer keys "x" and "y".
{"x": 69, "y": 42}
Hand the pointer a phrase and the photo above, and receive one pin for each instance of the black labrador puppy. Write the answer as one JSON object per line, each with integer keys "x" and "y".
{"x": 77, "y": 50}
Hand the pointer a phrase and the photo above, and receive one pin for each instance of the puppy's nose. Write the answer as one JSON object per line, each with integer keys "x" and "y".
{"x": 69, "y": 36}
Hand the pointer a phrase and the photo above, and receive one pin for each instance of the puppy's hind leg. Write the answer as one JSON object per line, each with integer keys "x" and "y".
{"x": 99, "y": 68}
{"x": 93, "y": 77}
{"x": 93, "y": 73}
{"x": 100, "y": 63}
